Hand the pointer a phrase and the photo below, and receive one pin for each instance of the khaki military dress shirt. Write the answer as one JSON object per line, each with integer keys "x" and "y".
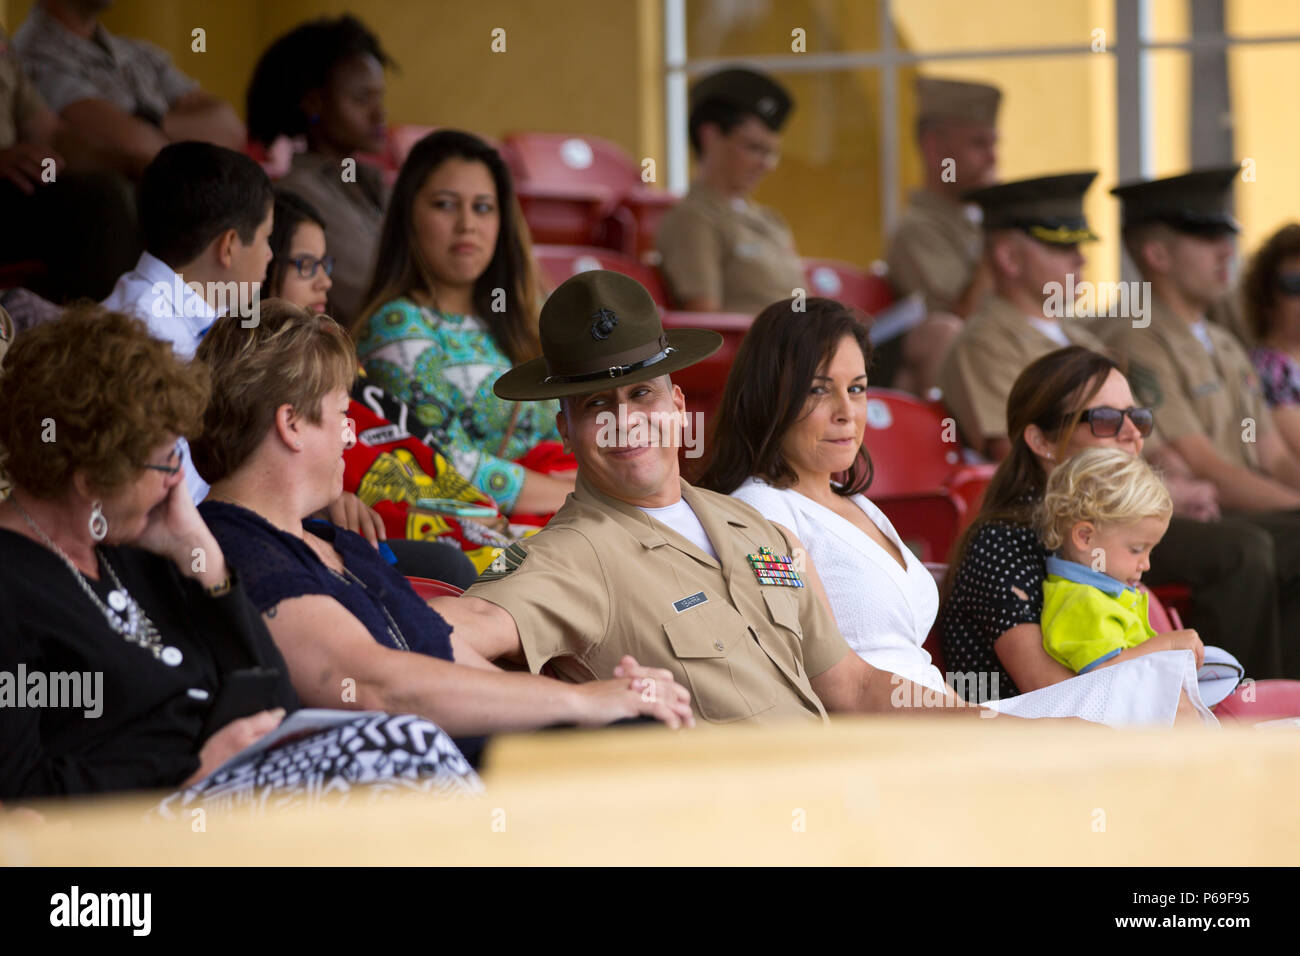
{"x": 603, "y": 579}
{"x": 728, "y": 250}
{"x": 1192, "y": 390}
{"x": 935, "y": 250}
{"x": 996, "y": 344}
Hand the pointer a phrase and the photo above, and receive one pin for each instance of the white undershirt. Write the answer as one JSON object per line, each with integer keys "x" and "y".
{"x": 1203, "y": 334}
{"x": 1052, "y": 329}
{"x": 681, "y": 518}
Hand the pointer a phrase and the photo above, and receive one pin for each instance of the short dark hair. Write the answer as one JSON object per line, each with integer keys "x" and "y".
{"x": 291, "y": 211}
{"x": 193, "y": 192}
{"x": 297, "y": 63}
{"x": 767, "y": 392}
{"x": 722, "y": 114}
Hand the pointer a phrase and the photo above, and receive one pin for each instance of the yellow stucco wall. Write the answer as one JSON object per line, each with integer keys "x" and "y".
{"x": 568, "y": 65}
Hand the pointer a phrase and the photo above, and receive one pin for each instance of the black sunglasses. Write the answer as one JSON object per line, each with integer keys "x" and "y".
{"x": 307, "y": 265}
{"x": 1106, "y": 422}
{"x": 178, "y": 453}
{"x": 1288, "y": 283}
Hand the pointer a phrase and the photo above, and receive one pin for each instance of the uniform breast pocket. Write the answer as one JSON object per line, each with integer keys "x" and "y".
{"x": 717, "y": 652}
{"x": 784, "y": 642}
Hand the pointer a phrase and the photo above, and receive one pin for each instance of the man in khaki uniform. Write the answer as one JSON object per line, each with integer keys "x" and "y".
{"x": 1195, "y": 374}
{"x": 638, "y": 561}
{"x": 720, "y": 250}
{"x": 935, "y": 250}
{"x": 1033, "y": 228}
{"x": 1198, "y": 379}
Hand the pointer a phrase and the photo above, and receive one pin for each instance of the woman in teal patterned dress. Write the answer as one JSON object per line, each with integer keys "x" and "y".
{"x": 453, "y": 304}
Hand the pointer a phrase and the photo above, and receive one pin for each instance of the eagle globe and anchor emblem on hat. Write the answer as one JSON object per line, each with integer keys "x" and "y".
{"x": 599, "y": 330}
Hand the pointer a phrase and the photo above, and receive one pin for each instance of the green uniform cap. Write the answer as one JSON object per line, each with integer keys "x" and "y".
{"x": 1048, "y": 208}
{"x": 1199, "y": 202}
{"x": 748, "y": 90}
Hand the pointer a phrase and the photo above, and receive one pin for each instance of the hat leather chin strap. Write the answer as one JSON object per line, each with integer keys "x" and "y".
{"x": 620, "y": 367}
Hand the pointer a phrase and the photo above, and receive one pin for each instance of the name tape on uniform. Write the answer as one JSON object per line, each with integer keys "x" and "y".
{"x": 686, "y": 603}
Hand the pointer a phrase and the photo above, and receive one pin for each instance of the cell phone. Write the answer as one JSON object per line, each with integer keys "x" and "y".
{"x": 242, "y": 693}
{"x": 460, "y": 509}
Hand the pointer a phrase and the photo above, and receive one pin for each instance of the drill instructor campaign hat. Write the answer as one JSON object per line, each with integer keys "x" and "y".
{"x": 602, "y": 330}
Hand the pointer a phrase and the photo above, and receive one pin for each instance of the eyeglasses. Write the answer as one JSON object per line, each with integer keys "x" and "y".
{"x": 307, "y": 265}
{"x": 1106, "y": 421}
{"x": 177, "y": 455}
{"x": 1288, "y": 283}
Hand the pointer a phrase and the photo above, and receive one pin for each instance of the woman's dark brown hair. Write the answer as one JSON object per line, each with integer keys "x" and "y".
{"x": 400, "y": 270}
{"x": 92, "y": 391}
{"x": 1259, "y": 283}
{"x": 767, "y": 392}
{"x": 1052, "y": 393}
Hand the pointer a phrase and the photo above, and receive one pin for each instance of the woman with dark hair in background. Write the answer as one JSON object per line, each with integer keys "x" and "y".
{"x": 324, "y": 82}
{"x": 453, "y": 305}
{"x": 1270, "y": 291}
{"x": 394, "y": 467}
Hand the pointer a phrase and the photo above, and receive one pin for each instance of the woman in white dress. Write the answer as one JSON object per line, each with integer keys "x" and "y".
{"x": 788, "y": 440}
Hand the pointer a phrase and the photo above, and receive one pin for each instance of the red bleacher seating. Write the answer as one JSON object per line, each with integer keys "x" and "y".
{"x": 562, "y": 262}
{"x": 845, "y": 283}
{"x": 428, "y": 588}
{"x": 584, "y": 190}
{"x": 704, "y": 381}
{"x": 920, "y": 481}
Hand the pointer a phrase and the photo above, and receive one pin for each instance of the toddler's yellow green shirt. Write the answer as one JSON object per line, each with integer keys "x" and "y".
{"x": 1089, "y": 617}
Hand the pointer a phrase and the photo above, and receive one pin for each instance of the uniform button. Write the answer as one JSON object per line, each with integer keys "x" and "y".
{"x": 719, "y": 645}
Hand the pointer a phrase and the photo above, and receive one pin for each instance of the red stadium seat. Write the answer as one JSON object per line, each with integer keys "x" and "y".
{"x": 428, "y": 588}
{"x": 920, "y": 481}
{"x": 1254, "y": 701}
{"x": 562, "y": 262}
{"x": 583, "y": 190}
{"x": 401, "y": 138}
{"x": 704, "y": 381}
{"x": 839, "y": 280}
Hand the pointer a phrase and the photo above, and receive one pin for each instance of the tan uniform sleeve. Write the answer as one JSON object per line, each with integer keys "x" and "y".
{"x": 558, "y": 596}
{"x": 823, "y": 643}
{"x": 981, "y": 371}
{"x": 921, "y": 259}
{"x": 1155, "y": 382}
{"x": 692, "y": 255}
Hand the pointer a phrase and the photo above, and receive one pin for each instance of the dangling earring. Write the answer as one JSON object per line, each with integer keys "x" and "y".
{"x": 98, "y": 524}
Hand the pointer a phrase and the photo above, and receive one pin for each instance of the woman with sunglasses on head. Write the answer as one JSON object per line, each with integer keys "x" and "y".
{"x": 1270, "y": 291}
{"x": 1064, "y": 402}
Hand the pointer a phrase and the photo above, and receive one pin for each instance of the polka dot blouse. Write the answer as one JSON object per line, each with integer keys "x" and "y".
{"x": 999, "y": 584}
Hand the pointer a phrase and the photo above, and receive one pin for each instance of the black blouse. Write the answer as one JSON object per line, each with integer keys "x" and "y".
{"x": 151, "y": 715}
{"x": 1000, "y": 560}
